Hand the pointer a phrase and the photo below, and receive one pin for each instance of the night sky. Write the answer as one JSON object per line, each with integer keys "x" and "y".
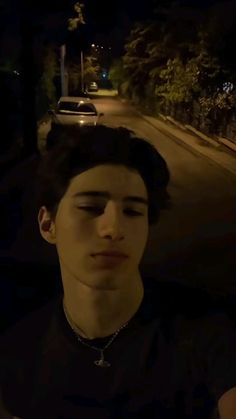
{"x": 103, "y": 15}
{"x": 110, "y": 22}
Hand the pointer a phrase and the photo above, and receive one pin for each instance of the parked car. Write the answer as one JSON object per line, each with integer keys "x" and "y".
{"x": 92, "y": 87}
{"x": 75, "y": 110}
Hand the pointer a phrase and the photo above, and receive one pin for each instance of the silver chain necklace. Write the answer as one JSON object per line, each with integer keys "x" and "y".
{"x": 99, "y": 362}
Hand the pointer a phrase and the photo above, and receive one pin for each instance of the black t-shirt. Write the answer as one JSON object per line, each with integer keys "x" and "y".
{"x": 174, "y": 360}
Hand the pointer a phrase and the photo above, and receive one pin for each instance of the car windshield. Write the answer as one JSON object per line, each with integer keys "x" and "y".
{"x": 87, "y": 109}
{"x": 68, "y": 106}
{"x": 76, "y": 107}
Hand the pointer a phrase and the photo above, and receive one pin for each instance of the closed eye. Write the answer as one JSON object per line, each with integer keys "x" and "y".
{"x": 98, "y": 210}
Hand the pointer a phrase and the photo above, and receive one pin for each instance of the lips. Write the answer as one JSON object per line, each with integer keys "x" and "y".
{"x": 109, "y": 260}
{"x": 111, "y": 254}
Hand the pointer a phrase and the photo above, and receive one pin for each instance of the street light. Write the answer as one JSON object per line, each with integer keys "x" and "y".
{"x": 82, "y": 70}
{"x": 64, "y": 75}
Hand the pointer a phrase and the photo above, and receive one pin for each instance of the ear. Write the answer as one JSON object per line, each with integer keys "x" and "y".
{"x": 47, "y": 225}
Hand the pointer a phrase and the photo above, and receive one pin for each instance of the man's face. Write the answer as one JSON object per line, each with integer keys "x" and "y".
{"x": 87, "y": 224}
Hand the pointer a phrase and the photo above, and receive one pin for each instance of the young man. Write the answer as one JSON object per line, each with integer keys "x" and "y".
{"x": 113, "y": 345}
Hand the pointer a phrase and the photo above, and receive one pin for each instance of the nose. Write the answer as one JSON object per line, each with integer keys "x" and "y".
{"x": 111, "y": 223}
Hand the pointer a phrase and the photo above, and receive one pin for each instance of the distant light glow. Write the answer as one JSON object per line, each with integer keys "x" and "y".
{"x": 93, "y": 45}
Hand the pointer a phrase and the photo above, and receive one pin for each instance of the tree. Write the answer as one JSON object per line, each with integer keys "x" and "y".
{"x": 151, "y": 44}
{"x": 26, "y": 28}
{"x": 220, "y": 35}
{"x": 91, "y": 72}
{"x": 117, "y": 74}
{"x": 179, "y": 81}
{"x": 36, "y": 27}
{"x": 178, "y": 59}
{"x": 137, "y": 61}
{"x": 91, "y": 69}
{"x": 73, "y": 24}
{"x": 50, "y": 71}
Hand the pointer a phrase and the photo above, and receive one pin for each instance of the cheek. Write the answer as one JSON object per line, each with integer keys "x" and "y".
{"x": 73, "y": 242}
{"x": 141, "y": 229}
{"x": 145, "y": 230}
{"x": 140, "y": 236}
{"x": 74, "y": 232}
{"x": 143, "y": 237}
{"x": 68, "y": 228}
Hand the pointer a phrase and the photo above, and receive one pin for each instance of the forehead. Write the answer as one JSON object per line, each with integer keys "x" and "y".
{"x": 116, "y": 179}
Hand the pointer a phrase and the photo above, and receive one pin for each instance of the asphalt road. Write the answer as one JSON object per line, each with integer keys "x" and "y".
{"x": 194, "y": 242}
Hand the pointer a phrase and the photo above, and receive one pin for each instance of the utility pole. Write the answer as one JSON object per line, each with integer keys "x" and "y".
{"x": 82, "y": 70}
{"x": 62, "y": 65}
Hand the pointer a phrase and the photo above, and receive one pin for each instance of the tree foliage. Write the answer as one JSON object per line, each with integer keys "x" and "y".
{"x": 91, "y": 73}
{"x": 117, "y": 74}
{"x": 184, "y": 57}
{"x": 74, "y": 22}
{"x": 50, "y": 71}
{"x": 179, "y": 81}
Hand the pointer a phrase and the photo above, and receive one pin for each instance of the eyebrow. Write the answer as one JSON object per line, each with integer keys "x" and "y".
{"x": 102, "y": 194}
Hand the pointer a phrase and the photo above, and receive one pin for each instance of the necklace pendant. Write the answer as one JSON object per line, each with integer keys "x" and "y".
{"x": 102, "y": 363}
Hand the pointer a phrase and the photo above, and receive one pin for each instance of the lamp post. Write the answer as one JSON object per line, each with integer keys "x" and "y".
{"x": 82, "y": 70}
{"x": 64, "y": 74}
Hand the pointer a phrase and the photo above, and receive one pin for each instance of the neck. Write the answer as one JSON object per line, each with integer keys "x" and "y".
{"x": 99, "y": 313}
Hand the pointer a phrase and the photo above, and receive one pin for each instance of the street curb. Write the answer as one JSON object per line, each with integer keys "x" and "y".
{"x": 176, "y": 139}
{"x": 203, "y": 136}
{"x": 188, "y": 147}
{"x": 227, "y": 143}
{"x": 216, "y": 142}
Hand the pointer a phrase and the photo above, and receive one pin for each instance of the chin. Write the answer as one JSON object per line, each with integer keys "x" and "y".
{"x": 106, "y": 281}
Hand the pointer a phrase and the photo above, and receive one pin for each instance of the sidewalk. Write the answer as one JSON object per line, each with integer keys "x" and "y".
{"x": 197, "y": 142}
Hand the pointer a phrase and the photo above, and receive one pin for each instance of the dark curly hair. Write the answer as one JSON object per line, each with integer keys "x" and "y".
{"x": 78, "y": 149}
